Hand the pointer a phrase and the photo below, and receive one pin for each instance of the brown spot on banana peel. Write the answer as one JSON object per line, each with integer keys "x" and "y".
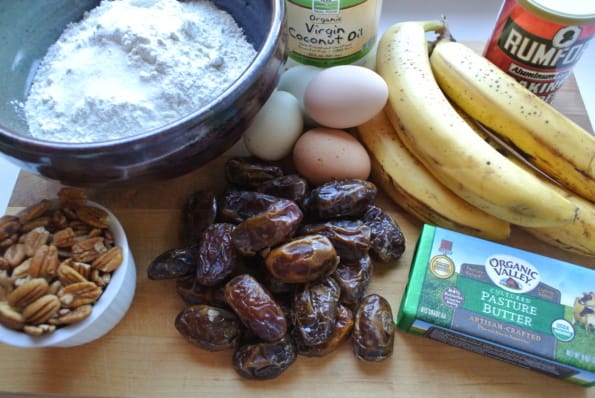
{"x": 527, "y": 156}
{"x": 581, "y": 226}
{"x": 423, "y": 212}
{"x": 505, "y": 147}
{"x": 583, "y": 170}
{"x": 474, "y": 192}
{"x": 450, "y": 212}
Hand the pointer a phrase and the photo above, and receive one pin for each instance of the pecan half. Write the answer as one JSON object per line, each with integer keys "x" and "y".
{"x": 88, "y": 250}
{"x": 67, "y": 316}
{"x": 82, "y": 268}
{"x": 81, "y": 293}
{"x": 27, "y": 293}
{"x": 100, "y": 278}
{"x": 39, "y": 330}
{"x": 6, "y": 285}
{"x": 72, "y": 197}
{"x": 10, "y": 317}
{"x": 34, "y": 211}
{"x": 38, "y": 222}
{"x": 11, "y": 240}
{"x": 64, "y": 238}
{"x": 93, "y": 216}
{"x": 96, "y": 232}
{"x": 108, "y": 237}
{"x": 34, "y": 239}
{"x": 110, "y": 260}
{"x": 68, "y": 275}
{"x": 41, "y": 309}
{"x": 58, "y": 219}
{"x": 79, "y": 228}
{"x": 44, "y": 262}
{"x": 21, "y": 270}
{"x": 9, "y": 225}
{"x": 55, "y": 287}
{"x": 15, "y": 254}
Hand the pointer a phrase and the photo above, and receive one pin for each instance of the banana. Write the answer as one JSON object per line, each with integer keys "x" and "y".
{"x": 577, "y": 237}
{"x": 541, "y": 134}
{"x": 434, "y": 132}
{"x": 407, "y": 182}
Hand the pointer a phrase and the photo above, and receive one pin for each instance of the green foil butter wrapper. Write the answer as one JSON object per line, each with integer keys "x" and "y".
{"x": 519, "y": 307}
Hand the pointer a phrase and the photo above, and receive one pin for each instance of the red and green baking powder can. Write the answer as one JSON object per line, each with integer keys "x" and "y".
{"x": 538, "y": 42}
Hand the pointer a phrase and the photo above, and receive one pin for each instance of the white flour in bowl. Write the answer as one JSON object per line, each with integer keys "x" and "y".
{"x": 132, "y": 65}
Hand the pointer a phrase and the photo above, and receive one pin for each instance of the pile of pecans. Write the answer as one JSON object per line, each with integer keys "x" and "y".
{"x": 55, "y": 262}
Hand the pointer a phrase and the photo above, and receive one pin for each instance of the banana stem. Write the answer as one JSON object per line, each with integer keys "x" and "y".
{"x": 440, "y": 27}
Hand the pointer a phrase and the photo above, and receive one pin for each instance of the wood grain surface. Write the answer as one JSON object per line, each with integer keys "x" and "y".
{"x": 144, "y": 356}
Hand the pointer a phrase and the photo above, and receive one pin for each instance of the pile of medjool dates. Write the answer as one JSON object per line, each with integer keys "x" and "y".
{"x": 273, "y": 269}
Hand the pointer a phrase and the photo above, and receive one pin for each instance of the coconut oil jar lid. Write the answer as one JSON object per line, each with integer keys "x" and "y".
{"x": 566, "y": 12}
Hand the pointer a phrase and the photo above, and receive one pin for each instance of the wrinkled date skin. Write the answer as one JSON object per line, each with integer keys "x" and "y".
{"x": 291, "y": 186}
{"x": 173, "y": 263}
{"x": 353, "y": 278}
{"x": 387, "y": 241}
{"x": 301, "y": 260}
{"x": 250, "y": 172}
{"x": 373, "y": 329}
{"x": 256, "y": 307}
{"x": 236, "y": 206}
{"x": 314, "y": 309}
{"x": 341, "y": 198}
{"x": 276, "y": 286}
{"x": 217, "y": 256}
{"x": 208, "y": 327}
{"x": 351, "y": 238}
{"x": 341, "y": 332}
{"x": 193, "y": 293}
{"x": 272, "y": 268}
{"x": 264, "y": 360}
{"x": 273, "y": 226}
{"x": 199, "y": 211}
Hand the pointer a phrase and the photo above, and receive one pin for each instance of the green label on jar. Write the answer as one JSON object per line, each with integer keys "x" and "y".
{"x": 333, "y": 32}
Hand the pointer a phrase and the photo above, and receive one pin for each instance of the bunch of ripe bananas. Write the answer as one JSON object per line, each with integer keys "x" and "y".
{"x": 462, "y": 145}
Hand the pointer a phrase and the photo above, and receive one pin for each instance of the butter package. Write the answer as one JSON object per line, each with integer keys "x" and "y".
{"x": 522, "y": 308}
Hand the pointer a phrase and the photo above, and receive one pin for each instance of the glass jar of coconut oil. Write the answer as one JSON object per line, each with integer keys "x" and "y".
{"x": 325, "y": 33}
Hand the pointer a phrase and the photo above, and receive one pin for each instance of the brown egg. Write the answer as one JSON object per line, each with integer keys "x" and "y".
{"x": 324, "y": 154}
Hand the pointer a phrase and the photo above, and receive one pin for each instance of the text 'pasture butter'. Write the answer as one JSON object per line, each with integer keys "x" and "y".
{"x": 520, "y": 307}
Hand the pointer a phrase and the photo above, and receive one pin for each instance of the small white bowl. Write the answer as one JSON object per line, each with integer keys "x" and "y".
{"x": 107, "y": 312}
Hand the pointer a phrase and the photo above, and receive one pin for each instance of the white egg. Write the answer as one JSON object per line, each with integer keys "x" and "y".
{"x": 345, "y": 96}
{"x": 275, "y": 128}
{"x": 295, "y": 80}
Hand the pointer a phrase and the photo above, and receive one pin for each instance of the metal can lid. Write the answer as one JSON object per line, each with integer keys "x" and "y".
{"x": 567, "y": 12}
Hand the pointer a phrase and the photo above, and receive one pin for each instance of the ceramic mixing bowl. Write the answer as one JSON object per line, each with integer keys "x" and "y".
{"x": 29, "y": 27}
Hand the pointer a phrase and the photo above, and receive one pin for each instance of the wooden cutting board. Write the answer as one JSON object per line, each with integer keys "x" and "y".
{"x": 144, "y": 355}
